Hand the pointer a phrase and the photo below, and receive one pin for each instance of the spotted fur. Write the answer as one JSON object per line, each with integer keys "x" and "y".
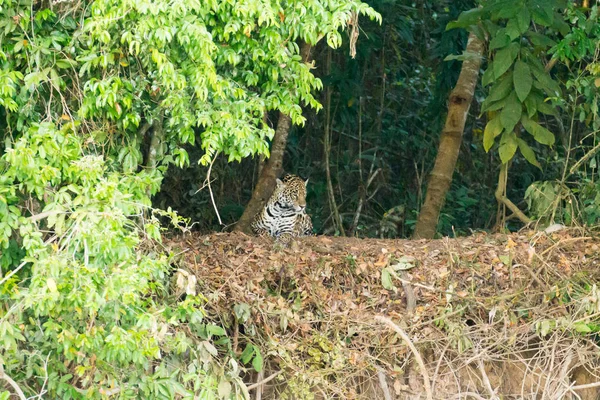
{"x": 284, "y": 215}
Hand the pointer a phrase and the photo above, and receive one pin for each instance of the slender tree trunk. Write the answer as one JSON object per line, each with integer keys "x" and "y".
{"x": 156, "y": 140}
{"x": 450, "y": 141}
{"x": 339, "y": 226}
{"x": 272, "y": 168}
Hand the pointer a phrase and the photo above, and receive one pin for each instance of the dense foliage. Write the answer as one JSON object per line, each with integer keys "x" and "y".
{"x": 96, "y": 99}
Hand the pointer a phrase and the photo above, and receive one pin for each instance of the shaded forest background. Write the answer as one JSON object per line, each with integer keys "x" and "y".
{"x": 387, "y": 109}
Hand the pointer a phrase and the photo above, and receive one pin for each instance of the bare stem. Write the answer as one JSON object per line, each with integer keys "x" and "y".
{"x": 411, "y": 346}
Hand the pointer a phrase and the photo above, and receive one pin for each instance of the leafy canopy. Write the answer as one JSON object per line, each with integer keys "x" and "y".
{"x": 520, "y": 32}
{"x": 89, "y": 93}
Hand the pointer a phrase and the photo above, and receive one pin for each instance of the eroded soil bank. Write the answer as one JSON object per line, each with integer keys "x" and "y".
{"x": 490, "y": 316}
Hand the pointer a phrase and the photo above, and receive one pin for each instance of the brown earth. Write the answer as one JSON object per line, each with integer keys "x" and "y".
{"x": 488, "y": 316}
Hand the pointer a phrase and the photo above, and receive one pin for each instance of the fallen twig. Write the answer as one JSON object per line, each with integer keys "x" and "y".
{"x": 404, "y": 336}
{"x": 383, "y": 384}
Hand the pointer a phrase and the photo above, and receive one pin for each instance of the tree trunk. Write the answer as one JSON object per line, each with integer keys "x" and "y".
{"x": 272, "y": 168}
{"x": 450, "y": 141}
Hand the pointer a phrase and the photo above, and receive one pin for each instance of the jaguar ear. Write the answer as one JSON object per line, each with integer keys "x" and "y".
{"x": 279, "y": 182}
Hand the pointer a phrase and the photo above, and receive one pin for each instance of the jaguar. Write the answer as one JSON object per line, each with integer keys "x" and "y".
{"x": 284, "y": 216}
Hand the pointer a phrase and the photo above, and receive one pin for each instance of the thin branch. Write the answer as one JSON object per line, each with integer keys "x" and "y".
{"x": 267, "y": 379}
{"x": 404, "y": 336}
{"x": 486, "y": 380}
{"x": 14, "y": 271}
{"x": 45, "y": 214}
{"x": 259, "y": 378}
{"x": 13, "y": 384}
{"x": 383, "y": 384}
{"x": 207, "y": 182}
{"x": 586, "y": 386}
{"x": 583, "y": 159}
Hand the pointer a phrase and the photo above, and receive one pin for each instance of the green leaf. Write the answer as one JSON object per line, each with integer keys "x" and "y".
{"x": 224, "y": 389}
{"x": 508, "y": 146}
{"x": 582, "y": 327}
{"x": 500, "y": 40}
{"x": 539, "y": 133}
{"x": 523, "y": 20}
{"x": 466, "y": 19}
{"x": 501, "y": 89}
{"x": 386, "y": 279}
{"x": 528, "y": 153}
{"x": 512, "y": 29}
{"x": 505, "y": 58}
{"x": 543, "y": 15}
{"x": 495, "y": 106}
{"x": 547, "y": 83}
{"x": 539, "y": 39}
{"x": 522, "y": 79}
{"x": 492, "y": 130}
{"x": 488, "y": 75}
{"x": 531, "y": 103}
{"x": 561, "y": 26}
{"x": 257, "y": 362}
{"x": 546, "y": 108}
{"x": 511, "y": 114}
{"x": 215, "y": 330}
{"x": 247, "y": 354}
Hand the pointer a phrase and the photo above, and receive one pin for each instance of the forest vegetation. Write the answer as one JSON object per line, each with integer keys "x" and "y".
{"x": 138, "y": 140}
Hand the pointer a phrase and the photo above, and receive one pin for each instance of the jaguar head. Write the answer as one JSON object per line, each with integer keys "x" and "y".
{"x": 291, "y": 192}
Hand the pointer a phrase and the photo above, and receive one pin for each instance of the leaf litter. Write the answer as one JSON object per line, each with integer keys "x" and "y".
{"x": 495, "y": 316}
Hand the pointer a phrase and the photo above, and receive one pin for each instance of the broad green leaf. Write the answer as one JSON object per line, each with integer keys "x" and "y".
{"x": 512, "y": 29}
{"x": 546, "y": 82}
{"x": 561, "y": 26}
{"x": 543, "y": 15}
{"x": 508, "y": 146}
{"x": 500, "y": 40}
{"x": 466, "y": 19}
{"x": 247, "y": 354}
{"x": 523, "y": 20}
{"x": 494, "y": 106}
{"x": 532, "y": 101}
{"x": 504, "y": 9}
{"x": 215, "y": 330}
{"x": 51, "y": 283}
{"x": 386, "y": 279}
{"x": 488, "y": 76}
{"x": 582, "y": 327}
{"x": 528, "y": 153}
{"x": 492, "y": 130}
{"x": 539, "y": 133}
{"x": 501, "y": 88}
{"x": 511, "y": 114}
{"x": 257, "y": 362}
{"x": 539, "y": 39}
{"x": 546, "y": 108}
{"x": 504, "y": 58}
{"x": 522, "y": 79}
